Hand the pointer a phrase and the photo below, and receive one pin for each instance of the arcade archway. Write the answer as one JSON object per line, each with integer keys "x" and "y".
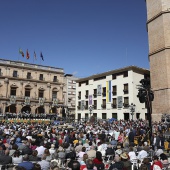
{"x": 26, "y": 109}
{"x": 39, "y": 110}
{"x": 53, "y": 110}
{"x": 11, "y": 109}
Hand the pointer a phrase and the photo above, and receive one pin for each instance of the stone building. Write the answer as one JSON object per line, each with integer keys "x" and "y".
{"x": 158, "y": 27}
{"x": 70, "y": 95}
{"x": 33, "y": 88}
{"x": 111, "y": 94}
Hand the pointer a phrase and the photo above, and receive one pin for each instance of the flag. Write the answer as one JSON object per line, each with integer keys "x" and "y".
{"x": 28, "y": 55}
{"x": 35, "y": 56}
{"x": 42, "y": 56}
{"x": 108, "y": 91}
{"x": 21, "y": 52}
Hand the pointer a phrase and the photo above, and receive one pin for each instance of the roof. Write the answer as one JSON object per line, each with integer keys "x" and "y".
{"x": 128, "y": 68}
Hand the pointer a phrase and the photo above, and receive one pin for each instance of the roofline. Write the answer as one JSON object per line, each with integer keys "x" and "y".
{"x": 134, "y": 68}
{"x": 30, "y": 63}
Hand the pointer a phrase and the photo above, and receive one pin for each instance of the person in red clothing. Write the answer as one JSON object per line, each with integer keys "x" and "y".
{"x": 98, "y": 161}
{"x": 157, "y": 164}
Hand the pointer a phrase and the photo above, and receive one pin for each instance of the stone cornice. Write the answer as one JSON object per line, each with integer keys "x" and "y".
{"x": 159, "y": 50}
{"x": 158, "y": 15}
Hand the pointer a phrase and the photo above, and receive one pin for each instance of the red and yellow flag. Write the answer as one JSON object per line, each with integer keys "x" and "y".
{"x": 28, "y": 55}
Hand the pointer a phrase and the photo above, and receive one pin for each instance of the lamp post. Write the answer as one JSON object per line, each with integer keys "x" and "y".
{"x": 90, "y": 110}
{"x": 132, "y": 109}
{"x": 146, "y": 95}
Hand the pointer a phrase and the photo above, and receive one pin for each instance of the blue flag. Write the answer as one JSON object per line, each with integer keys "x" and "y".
{"x": 41, "y": 55}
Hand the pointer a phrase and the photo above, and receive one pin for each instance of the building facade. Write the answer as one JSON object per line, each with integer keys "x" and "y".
{"x": 32, "y": 88}
{"x": 108, "y": 95}
{"x": 70, "y": 95}
{"x": 158, "y": 27}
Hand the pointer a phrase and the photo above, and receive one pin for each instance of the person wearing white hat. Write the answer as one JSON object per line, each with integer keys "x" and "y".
{"x": 52, "y": 149}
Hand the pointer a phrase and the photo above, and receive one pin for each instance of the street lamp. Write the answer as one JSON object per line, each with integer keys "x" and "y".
{"x": 90, "y": 109}
{"x": 146, "y": 95}
{"x": 132, "y": 109}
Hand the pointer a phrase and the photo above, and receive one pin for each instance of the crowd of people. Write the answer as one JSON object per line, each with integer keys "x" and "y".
{"x": 27, "y": 115}
{"x": 117, "y": 145}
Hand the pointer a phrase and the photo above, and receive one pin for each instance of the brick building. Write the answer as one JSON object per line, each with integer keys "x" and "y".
{"x": 158, "y": 27}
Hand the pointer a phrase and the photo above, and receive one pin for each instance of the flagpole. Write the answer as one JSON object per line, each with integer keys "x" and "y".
{"x": 40, "y": 58}
{"x": 33, "y": 58}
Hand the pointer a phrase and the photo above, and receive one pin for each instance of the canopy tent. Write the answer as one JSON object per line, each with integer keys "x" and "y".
{"x": 112, "y": 119}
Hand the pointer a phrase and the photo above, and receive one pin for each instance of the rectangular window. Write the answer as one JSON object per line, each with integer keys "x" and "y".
{"x": 79, "y": 106}
{"x": 114, "y": 90}
{"x": 86, "y": 116}
{"x": 125, "y": 74}
{"x": 28, "y": 75}
{"x": 79, "y": 95}
{"x": 41, "y": 93}
{"x": 104, "y": 92}
{"x": 114, "y": 115}
{"x": 27, "y": 92}
{"x": 95, "y": 104}
{"x": 54, "y": 95}
{"x": 41, "y": 77}
{"x": 13, "y": 91}
{"x": 87, "y": 94}
{"x": 79, "y": 116}
{"x": 86, "y": 105}
{"x": 94, "y": 93}
{"x": 104, "y": 103}
{"x": 126, "y": 101}
{"x": 55, "y": 79}
{"x": 114, "y": 104}
{"x": 126, "y": 90}
{"x": 15, "y": 73}
{"x": 113, "y": 76}
{"x": 104, "y": 116}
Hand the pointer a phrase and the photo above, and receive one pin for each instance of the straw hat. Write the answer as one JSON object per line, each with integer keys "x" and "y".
{"x": 118, "y": 151}
{"x": 124, "y": 156}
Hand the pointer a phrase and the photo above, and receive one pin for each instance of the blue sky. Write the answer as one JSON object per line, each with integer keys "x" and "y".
{"x": 83, "y": 37}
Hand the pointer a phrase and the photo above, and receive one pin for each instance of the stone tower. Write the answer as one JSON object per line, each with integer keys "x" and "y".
{"x": 158, "y": 27}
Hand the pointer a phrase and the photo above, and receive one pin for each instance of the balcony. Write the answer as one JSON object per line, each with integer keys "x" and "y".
{"x": 29, "y": 77}
{"x": 126, "y": 105}
{"x": 86, "y": 107}
{"x": 103, "y": 106}
{"x": 78, "y": 107}
{"x": 55, "y": 80}
{"x": 41, "y": 78}
{"x": 79, "y": 97}
{"x": 114, "y": 106}
{"x": 126, "y": 91}
{"x": 114, "y": 93}
{"x": 86, "y": 96}
{"x": 104, "y": 94}
{"x": 94, "y": 107}
{"x": 15, "y": 75}
{"x": 95, "y": 95}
